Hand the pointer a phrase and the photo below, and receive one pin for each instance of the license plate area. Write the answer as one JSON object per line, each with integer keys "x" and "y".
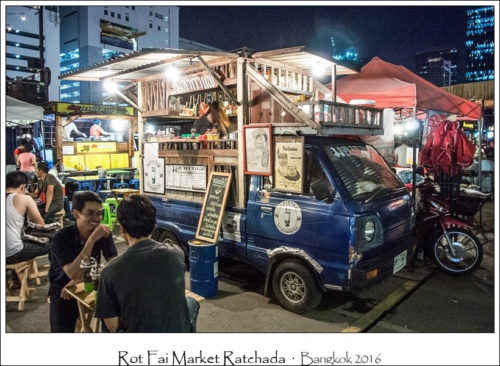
{"x": 399, "y": 262}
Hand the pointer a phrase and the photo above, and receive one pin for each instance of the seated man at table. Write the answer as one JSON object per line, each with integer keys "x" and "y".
{"x": 143, "y": 289}
{"x": 52, "y": 188}
{"x": 17, "y": 206}
{"x": 87, "y": 238}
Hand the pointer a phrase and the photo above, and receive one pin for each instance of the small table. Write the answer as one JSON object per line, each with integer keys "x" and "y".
{"x": 119, "y": 172}
{"x": 89, "y": 178}
{"x": 125, "y": 192}
{"x": 86, "y": 307}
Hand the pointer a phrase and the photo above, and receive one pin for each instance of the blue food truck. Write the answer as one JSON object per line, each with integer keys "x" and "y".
{"x": 310, "y": 204}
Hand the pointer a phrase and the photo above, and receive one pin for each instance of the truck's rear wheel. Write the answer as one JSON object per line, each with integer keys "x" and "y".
{"x": 295, "y": 287}
{"x": 168, "y": 238}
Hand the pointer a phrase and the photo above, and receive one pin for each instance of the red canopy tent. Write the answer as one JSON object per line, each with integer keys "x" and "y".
{"x": 393, "y": 86}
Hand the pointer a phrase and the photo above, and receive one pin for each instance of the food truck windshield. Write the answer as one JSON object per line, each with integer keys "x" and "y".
{"x": 362, "y": 170}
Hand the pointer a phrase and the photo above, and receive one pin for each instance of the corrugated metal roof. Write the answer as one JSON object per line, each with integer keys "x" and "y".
{"x": 306, "y": 59}
{"x": 137, "y": 65}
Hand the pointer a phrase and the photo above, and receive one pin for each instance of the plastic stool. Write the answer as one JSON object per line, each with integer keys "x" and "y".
{"x": 107, "y": 219}
{"x": 86, "y": 186}
{"x": 134, "y": 183}
{"x": 113, "y": 206}
{"x": 120, "y": 185}
{"x": 104, "y": 194}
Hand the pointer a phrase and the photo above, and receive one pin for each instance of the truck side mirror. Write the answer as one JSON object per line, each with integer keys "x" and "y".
{"x": 322, "y": 190}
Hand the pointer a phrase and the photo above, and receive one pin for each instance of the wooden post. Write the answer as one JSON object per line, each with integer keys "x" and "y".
{"x": 334, "y": 83}
{"x": 242, "y": 95}
{"x": 59, "y": 139}
{"x": 140, "y": 130}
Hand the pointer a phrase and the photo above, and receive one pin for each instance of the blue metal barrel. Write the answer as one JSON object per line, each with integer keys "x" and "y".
{"x": 204, "y": 268}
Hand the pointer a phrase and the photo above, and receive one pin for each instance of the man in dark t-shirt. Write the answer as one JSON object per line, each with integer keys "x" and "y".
{"x": 143, "y": 290}
{"x": 87, "y": 238}
{"x": 50, "y": 186}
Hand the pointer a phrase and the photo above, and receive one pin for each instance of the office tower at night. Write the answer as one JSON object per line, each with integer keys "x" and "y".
{"x": 94, "y": 34}
{"x": 32, "y": 46}
{"x": 438, "y": 65}
{"x": 480, "y": 45}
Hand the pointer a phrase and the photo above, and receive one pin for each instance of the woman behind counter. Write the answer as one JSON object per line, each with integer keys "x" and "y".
{"x": 213, "y": 121}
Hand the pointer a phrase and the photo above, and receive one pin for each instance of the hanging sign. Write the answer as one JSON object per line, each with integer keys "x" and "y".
{"x": 95, "y": 147}
{"x": 213, "y": 207}
{"x": 191, "y": 178}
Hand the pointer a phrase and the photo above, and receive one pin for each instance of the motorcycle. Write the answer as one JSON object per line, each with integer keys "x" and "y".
{"x": 443, "y": 228}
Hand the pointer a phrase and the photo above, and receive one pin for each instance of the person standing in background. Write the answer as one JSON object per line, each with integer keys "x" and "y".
{"x": 214, "y": 120}
{"x": 400, "y": 155}
{"x": 69, "y": 128}
{"x": 26, "y": 161}
{"x": 47, "y": 183}
{"x": 96, "y": 130}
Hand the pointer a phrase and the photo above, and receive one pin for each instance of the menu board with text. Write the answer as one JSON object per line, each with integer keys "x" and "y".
{"x": 97, "y": 160}
{"x": 119, "y": 161}
{"x": 213, "y": 207}
{"x": 74, "y": 162}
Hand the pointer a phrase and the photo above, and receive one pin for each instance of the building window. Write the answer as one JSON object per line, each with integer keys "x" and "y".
{"x": 159, "y": 28}
{"x": 150, "y": 13}
{"x": 126, "y": 18}
{"x": 151, "y": 25}
{"x": 133, "y": 7}
{"x": 159, "y": 16}
{"x": 105, "y": 12}
{"x": 113, "y": 14}
{"x": 119, "y": 16}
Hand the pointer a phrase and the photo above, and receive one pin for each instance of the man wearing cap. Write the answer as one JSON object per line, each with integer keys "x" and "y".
{"x": 96, "y": 130}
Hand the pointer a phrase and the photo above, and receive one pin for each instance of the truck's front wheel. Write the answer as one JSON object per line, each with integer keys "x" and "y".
{"x": 295, "y": 288}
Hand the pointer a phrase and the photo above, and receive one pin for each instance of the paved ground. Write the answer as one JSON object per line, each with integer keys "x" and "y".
{"x": 441, "y": 304}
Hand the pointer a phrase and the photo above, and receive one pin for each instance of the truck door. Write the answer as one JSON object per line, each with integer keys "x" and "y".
{"x": 304, "y": 221}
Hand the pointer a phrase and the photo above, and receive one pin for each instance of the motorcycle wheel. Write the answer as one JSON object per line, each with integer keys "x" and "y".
{"x": 468, "y": 252}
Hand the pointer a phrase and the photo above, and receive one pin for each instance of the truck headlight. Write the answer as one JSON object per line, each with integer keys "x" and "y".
{"x": 369, "y": 230}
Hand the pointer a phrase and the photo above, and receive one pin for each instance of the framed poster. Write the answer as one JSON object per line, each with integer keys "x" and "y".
{"x": 154, "y": 175}
{"x": 191, "y": 178}
{"x": 289, "y": 163}
{"x": 257, "y": 143}
{"x": 213, "y": 207}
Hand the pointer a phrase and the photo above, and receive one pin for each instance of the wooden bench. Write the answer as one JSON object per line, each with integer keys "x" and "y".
{"x": 22, "y": 270}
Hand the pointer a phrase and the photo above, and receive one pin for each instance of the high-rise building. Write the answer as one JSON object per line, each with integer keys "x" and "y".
{"x": 438, "y": 65}
{"x": 93, "y": 34}
{"x": 480, "y": 44}
{"x": 32, "y": 48}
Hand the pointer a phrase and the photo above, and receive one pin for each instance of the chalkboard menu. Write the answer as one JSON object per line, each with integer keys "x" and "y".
{"x": 213, "y": 207}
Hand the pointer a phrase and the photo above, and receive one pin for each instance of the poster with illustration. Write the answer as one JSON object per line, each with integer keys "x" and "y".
{"x": 154, "y": 175}
{"x": 257, "y": 146}
{"x": 289, "y": 163}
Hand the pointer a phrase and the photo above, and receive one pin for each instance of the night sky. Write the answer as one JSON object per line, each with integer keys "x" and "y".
{"x": 394, "y": 33}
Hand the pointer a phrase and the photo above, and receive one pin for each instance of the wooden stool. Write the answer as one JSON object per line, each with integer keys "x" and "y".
{"x": 22, "y": 270}
{"x": 60, "y": 216}
{"x": 36, "y": 274}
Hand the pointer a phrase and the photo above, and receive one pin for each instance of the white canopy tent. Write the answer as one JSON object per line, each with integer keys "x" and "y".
{"x": 20, "y": 113}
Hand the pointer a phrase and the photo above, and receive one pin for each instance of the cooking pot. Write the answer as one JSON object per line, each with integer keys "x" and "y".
{"x": 118, "y": 137}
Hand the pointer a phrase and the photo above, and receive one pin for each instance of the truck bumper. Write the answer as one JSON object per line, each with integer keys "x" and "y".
{"x": 371, "y": 271}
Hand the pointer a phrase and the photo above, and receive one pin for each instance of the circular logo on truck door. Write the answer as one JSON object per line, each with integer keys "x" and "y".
{"x": 288, "y": 217}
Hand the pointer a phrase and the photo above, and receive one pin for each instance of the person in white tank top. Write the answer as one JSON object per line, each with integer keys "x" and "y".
{"x": 17, "y": 206}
